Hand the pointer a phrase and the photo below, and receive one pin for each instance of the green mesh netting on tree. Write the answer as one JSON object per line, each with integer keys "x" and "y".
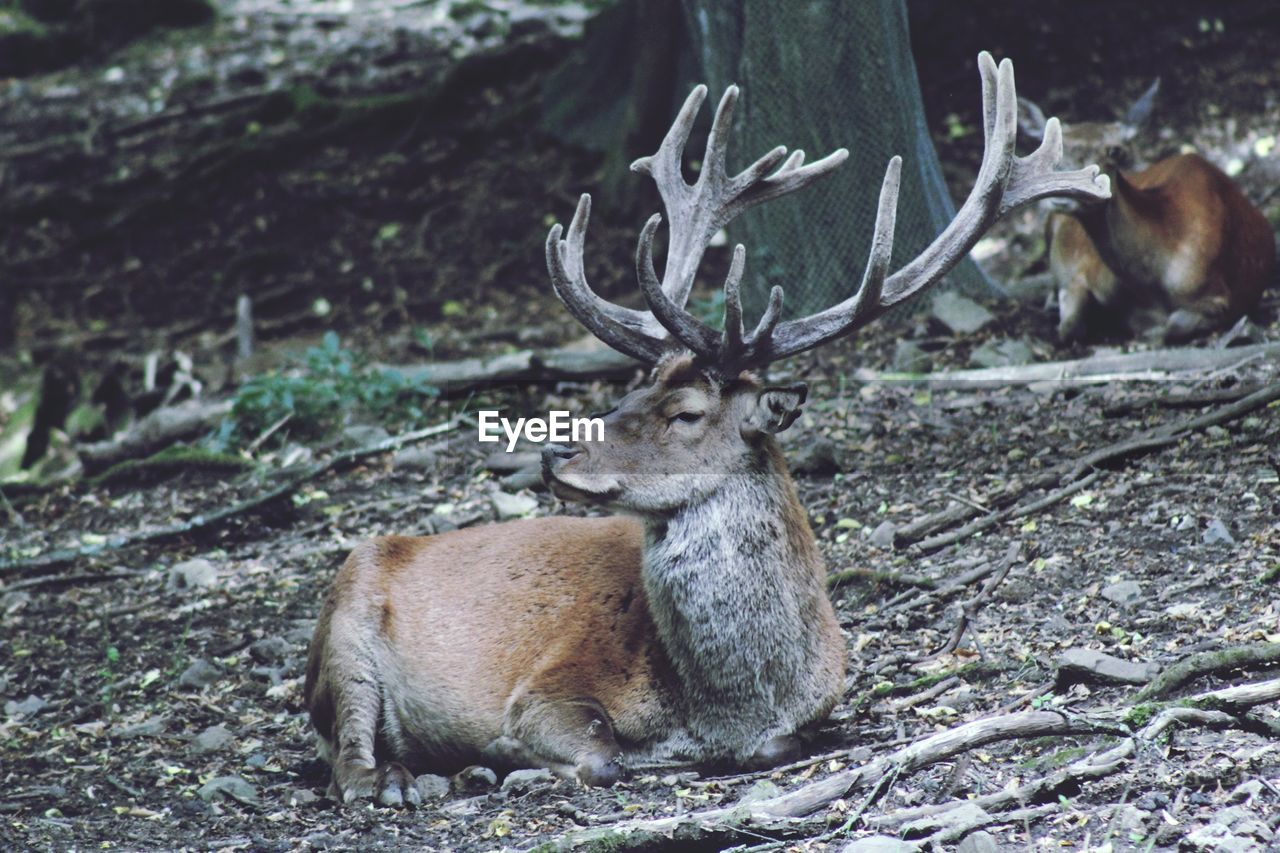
{"x": 822, "y": 75}
{"x": 816, "y": 75}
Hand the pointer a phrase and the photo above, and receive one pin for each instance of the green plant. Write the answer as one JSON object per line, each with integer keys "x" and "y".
{"x": 313, "y": 397}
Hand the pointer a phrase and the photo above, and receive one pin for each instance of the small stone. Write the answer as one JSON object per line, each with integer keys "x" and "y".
{"x": 1091, "y": 664}
{"x": 212, "y": 739}
{"x": 193, "y": 574}
{"x": 513, "y": 506}
{"x": 525, "y": 478}
{"x": 475, "y": 778}
{"x": 1217, "y": 838}
{"x": 816, "y": 457}
{"x": 201, "y": 673}
{"x": 302, "y": 797}
{"x": 1152, "y": 801}
{"x": 150, "y": 727}
{"x": 414, "y": 459}
{"x": 879, "y": 844}
{"x": 1246, "y": 791}
{"x": 1124, "y": 593}
{"x": 234, "y": 787}
{"x": 527, "y": 779}
{"x": 270, "y": 649}
{"x": 960, "y": 314}
{"x": 978, "y": 842}
{"x": 28, "y": 707}
{"x": 910, "y": 357}
{"x": 364, "y": 435}
{"x": 672, "y": 780}
{"x": 883, "y": 535}
{"x": 1216, "y": 533}
{"x": 1002, "y": 354}
{"x": 501, "y": 462}
{"x": 432, "y": 787}
{"x": 1130, "y": 818}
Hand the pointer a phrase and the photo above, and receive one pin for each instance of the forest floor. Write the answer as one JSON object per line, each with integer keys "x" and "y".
{"x": 151, "y": 692}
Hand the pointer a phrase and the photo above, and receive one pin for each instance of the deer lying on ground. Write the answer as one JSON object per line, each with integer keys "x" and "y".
{"x": 1177, "y": 250}
{"x": 695, "y": 626}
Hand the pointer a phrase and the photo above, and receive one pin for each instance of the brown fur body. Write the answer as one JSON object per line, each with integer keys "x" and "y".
{"x": 1178, "y": 238}
{"x": 697, "y": 629}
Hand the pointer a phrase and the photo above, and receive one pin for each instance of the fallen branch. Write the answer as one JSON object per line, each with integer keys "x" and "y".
{"x": 554, "y": 365}
{"x": 969, "y": 608}
{"x": 787, "y": 811}
{"x": 1204, "y": 663}
{"x": 200, "y": 523}
{"x": 154, "y": 432}
{"x": 1150, "y": 365}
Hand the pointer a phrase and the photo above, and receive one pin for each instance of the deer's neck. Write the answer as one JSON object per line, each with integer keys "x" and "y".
{"x": 738, "y": 594}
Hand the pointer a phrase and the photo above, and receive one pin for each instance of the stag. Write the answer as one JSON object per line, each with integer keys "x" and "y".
{"x": 694, "y": 625}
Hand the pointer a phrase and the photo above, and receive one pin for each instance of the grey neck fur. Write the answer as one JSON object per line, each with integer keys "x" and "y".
{"x": 735, "y": 585}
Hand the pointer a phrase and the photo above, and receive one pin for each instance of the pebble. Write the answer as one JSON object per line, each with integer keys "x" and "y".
{"x": 1217, "y": 533}
{"x": 193, "y": 574}
{"x": 270, "y": 649}
{"x": 513, "y": 506}
{"x": 414, "y": 459}
{"x": 234, "y": 787}
{"x": 212, "y": 739}
{"x": 1125, "y": 593}
{"x": 201, "y": 673}
{"x": 978, "y": 842}
{"x": 960, "y": 314}
{"x": 882, "y": 536}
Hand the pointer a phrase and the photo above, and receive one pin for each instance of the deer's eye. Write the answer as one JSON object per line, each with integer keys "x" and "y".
{"x": 687, "y": 417}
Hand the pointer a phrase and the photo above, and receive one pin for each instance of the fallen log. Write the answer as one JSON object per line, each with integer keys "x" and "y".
{"x": 1150, "y": 365}
{"x": 154, "y": 432}
{"x": 563, "y": 364}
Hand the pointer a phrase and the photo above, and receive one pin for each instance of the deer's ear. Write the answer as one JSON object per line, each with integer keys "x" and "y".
{"x": 775, "y": 409}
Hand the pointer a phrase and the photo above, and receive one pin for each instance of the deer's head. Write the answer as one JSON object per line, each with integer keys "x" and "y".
{"x": 705, "y": 417}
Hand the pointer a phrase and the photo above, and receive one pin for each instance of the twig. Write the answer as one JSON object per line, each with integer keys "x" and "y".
{"x": 71, "y": 580}
{"x": 899, "y": 578}
{"x": 201, "y": 523}
{"x": 969, "y": 608}
{"x": 1010, "y": 514}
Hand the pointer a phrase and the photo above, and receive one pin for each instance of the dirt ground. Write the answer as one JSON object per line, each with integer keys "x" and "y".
{"x": 153, "y": 703}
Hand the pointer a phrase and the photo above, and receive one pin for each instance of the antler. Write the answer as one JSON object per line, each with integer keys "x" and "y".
{"x": 697, "y": 211}
{"x": 1004, "y": 182}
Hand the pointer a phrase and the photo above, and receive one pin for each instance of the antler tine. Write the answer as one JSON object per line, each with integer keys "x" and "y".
{"x": 1004, "y": 182}
{"x": 626, "y": 330}
{"x": 686, "y": 328}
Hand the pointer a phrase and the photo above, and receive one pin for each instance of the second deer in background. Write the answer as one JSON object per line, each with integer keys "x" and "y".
{"x": 1177, "y": 251}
